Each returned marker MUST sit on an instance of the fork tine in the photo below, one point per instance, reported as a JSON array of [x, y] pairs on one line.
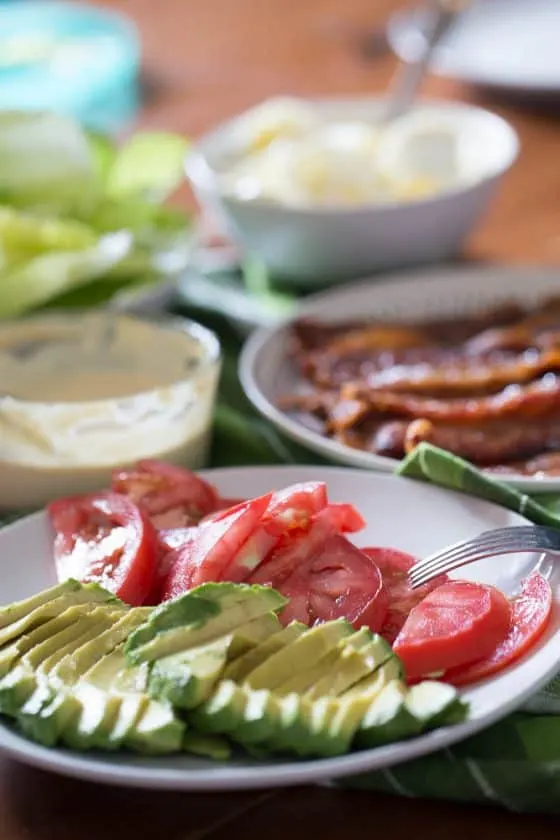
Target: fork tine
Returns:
[[525, 537], [425, 575], [487, 544]]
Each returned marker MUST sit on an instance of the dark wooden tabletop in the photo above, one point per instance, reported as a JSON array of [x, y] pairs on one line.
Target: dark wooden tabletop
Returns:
[[205, 60]]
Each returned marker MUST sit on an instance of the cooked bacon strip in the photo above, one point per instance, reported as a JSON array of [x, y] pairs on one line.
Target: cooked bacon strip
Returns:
[[486, 444], [537, 399], [466, 378]]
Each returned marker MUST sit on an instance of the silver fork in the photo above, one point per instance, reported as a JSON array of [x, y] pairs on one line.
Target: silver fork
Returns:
[[487, 544]]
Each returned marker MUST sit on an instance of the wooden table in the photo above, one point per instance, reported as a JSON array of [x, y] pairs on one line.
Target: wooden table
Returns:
[[205, 60]]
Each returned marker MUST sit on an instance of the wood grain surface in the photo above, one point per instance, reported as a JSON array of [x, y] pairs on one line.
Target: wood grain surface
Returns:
[[205, 60]]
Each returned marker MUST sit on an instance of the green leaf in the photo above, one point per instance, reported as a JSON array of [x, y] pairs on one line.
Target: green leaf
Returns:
[[150, 164], [45, 161], [42, 278]]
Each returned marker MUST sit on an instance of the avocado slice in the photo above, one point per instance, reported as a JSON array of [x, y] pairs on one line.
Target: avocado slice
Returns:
[[198, 617], [98, 706], [47, 723], [11, 652], [37, 648], [337, 670], [299, 655], [387, 718], [242, 666], [157, 731], [131, 709], [44, 663], [187, 679], [86, 592], [259, 721], [338, 733], [223, 711], [433, 703]]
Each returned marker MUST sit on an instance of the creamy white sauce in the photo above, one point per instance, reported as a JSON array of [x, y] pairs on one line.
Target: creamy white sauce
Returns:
[[285, 153], [83, 394]]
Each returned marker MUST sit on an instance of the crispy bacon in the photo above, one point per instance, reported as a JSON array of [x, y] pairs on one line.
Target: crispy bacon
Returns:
[[536, 399], [486, 387]]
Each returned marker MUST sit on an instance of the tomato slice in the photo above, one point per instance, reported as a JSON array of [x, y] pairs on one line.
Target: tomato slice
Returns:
[[339, 581], [530, 613], [172, 496], [457, 623], [290, 512], [294, 551], [107, 539], [209, 548], [346, 518], [394, 566]]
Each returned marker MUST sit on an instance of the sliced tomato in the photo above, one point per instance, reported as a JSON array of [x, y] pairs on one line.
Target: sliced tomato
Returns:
[[346, 518], [209, 548], [457, 623], [394, 566], [290, 513], [530, 613], [339, 581], [172, 496], [293, 552], [107, 539]]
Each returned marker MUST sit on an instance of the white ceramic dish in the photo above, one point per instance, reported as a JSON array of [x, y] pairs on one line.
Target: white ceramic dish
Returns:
[[266, 372], [509, 45], [397, 511], [318, 245]]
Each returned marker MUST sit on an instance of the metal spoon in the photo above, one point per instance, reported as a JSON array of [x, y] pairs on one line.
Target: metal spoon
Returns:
[[410, 76]]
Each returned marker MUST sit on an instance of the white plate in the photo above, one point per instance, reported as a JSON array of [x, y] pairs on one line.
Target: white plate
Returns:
[[412, 516], [266, 372], [510, 45]]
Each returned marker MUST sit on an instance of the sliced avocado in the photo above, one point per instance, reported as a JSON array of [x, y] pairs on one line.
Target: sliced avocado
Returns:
[[340, 728], [99, 707], [241, 667], [434, 704], [333, 673], [61, 713], [132, 679], [11, 652], [299, 655], [299, 722], [208, 746], [187, 679], [387, 718], [25, 683], [260, 717], [89, 592], [86, 594], [223, 712], [35, 715], [131, 709], [199, 616], [157, 731], [248, 636]]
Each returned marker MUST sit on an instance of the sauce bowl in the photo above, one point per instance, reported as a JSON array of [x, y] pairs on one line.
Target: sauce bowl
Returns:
[[84, 393]]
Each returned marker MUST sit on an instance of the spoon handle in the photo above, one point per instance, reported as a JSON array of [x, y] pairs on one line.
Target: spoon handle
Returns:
[[410, 76]]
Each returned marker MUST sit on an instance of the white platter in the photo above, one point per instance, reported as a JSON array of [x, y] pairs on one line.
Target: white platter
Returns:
[[508, 45], [266, 372], [400, 512]]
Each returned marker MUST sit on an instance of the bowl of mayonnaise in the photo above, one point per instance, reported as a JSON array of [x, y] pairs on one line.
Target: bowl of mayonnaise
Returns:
[[326, 190], [84, 393]]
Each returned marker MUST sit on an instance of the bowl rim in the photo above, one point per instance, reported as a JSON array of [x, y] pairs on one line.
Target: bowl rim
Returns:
[[206, 339], [202, 176]]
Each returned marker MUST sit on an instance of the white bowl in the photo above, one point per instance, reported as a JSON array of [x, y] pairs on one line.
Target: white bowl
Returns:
[[318, 245]]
